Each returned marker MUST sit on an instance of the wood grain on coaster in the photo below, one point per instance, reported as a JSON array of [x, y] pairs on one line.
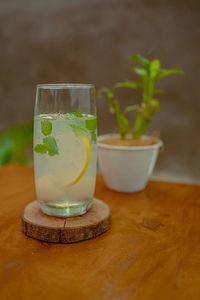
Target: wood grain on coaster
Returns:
[[46, 228]]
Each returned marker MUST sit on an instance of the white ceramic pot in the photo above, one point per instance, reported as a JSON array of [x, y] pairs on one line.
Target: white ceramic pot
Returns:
[[125, 168]]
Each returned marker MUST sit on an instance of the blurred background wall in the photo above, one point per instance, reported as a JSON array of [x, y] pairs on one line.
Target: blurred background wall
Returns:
[[89, 41]]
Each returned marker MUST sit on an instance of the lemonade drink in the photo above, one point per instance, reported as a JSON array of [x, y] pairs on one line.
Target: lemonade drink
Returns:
[[65, 162]]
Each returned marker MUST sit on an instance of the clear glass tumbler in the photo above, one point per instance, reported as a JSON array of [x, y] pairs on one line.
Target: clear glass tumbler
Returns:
[[65, 151]]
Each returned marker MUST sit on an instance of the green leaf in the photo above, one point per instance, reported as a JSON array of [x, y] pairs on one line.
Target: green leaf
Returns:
[[77, 129], [50, 145], [164, 72], [129, 84], [75, 115], [130, 108], [144, 61], [154, 68], [78, 113], [110, 95], [155, 64], [46, 127], [123, 124], [101, 91], [155, 104], [14, 142], [40, 148], [140, 71], [91, 124], [118, 85]]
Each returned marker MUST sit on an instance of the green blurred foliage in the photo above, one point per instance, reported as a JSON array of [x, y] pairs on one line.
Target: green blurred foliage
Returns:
[[14, 143]]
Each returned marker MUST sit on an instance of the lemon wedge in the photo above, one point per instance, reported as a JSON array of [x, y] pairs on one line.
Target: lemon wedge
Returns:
[[86, 143]]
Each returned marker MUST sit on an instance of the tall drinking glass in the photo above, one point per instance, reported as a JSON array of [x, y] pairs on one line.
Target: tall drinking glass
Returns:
[[65, 151]]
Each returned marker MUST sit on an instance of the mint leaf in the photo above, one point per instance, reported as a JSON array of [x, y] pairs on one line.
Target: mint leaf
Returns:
[[75, 114], [46, 127], [91, 124], [40, 148], [78, 113], [50, 145], [78, 130], [144, 61]]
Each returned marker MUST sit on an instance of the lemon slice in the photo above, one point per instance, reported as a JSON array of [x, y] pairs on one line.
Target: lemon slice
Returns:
[[87, 148]]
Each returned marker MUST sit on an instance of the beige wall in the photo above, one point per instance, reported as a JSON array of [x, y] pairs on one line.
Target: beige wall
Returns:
[[89, 42]]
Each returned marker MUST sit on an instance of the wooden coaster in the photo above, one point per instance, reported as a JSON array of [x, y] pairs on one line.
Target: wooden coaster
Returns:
[[46, 228]]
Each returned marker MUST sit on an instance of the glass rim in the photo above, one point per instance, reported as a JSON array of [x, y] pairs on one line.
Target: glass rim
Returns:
[[50, 86]]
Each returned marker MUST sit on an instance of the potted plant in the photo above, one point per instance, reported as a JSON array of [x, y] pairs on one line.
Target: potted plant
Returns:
[[127, 160]]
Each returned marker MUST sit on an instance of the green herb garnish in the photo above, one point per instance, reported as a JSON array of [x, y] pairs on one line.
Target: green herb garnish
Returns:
[[49, 142], [78, 130], [50, 145], [75, 114], [78, 113], [91, 124], [46, 127], [40, 148]]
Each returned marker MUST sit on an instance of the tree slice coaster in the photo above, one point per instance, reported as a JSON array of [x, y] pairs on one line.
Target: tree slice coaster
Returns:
[[46, 228]]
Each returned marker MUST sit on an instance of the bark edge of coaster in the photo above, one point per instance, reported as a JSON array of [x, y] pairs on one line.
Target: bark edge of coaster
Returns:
[[46, 228]]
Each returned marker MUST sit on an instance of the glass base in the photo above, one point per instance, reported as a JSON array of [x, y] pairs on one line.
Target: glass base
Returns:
[[63, 210]]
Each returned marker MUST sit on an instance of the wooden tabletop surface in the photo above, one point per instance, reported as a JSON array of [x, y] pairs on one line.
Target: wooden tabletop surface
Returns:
[[151, 252]]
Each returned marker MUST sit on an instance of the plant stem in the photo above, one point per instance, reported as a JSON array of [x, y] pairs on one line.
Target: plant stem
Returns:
[[145, 112], [141, 124], [122, 121]]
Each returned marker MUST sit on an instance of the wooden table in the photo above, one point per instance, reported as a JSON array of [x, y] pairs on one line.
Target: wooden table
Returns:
[[151, 252]]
